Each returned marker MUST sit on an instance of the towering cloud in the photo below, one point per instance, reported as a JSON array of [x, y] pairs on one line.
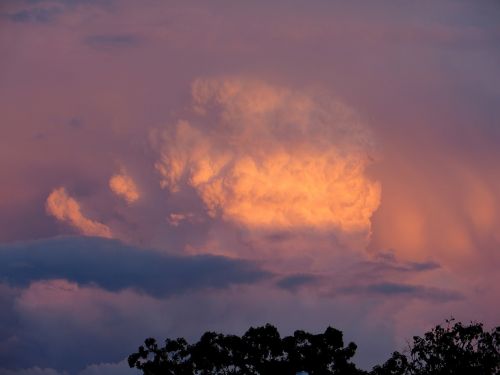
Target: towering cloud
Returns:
[[64, 208], [124, 186], [270, 157]]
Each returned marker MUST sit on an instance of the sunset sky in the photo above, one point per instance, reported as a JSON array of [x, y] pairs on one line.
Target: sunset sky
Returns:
[[173, 167]]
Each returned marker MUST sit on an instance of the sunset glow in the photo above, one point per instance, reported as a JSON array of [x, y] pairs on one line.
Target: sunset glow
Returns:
[[170, 168], [273, 159]]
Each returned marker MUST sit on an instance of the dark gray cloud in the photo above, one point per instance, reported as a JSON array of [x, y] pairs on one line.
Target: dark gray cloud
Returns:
[[403, 266], [75, 123], [114, 266], [43, 11], [8, 321], [422, 266], [386, 262], [38, 14], [294, 282], [388, 289], [108, 41]]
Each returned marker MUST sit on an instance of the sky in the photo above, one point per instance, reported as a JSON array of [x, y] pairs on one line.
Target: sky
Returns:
[[173, 167]]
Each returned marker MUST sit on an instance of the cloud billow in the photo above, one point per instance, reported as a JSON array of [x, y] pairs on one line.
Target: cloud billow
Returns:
[[124, 186], [272, 158]]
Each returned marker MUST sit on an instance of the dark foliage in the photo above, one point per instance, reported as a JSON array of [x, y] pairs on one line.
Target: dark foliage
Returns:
[[453, 349], [259, 351]]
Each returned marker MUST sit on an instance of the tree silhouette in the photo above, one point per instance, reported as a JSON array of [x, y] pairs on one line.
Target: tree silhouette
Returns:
[[260, 351], [454, 349]]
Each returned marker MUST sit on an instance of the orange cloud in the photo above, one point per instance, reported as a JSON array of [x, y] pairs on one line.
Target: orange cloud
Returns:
[[124, 187], [64, 208], [274, 158], [176, 218], [443, 209]]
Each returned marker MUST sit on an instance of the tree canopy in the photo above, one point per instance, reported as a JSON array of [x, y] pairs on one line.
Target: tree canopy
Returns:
[[453, 349], [259, 351]]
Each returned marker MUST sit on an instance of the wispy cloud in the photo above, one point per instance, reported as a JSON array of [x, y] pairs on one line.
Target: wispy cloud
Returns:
[[385, 262], [66, 209], [390, 289], [36, 15]]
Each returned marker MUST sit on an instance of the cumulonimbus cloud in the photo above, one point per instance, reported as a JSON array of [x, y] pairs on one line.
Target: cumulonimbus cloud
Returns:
[[270, 157], [65, 208], [124, 186]]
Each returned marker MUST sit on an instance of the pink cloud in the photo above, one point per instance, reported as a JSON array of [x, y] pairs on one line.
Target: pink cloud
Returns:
[[66, 209], [124, 186]]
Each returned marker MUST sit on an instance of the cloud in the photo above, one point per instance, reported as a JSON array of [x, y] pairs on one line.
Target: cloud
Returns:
[[74, 326], [176, 218], [66, 209], [386, 262], [269, 157], [293, 282], [400, 289], [9, 321], [46, 11], [31, 371], [422, 217], [114, 266], [124, 186], [120, 368], [38, 15]]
